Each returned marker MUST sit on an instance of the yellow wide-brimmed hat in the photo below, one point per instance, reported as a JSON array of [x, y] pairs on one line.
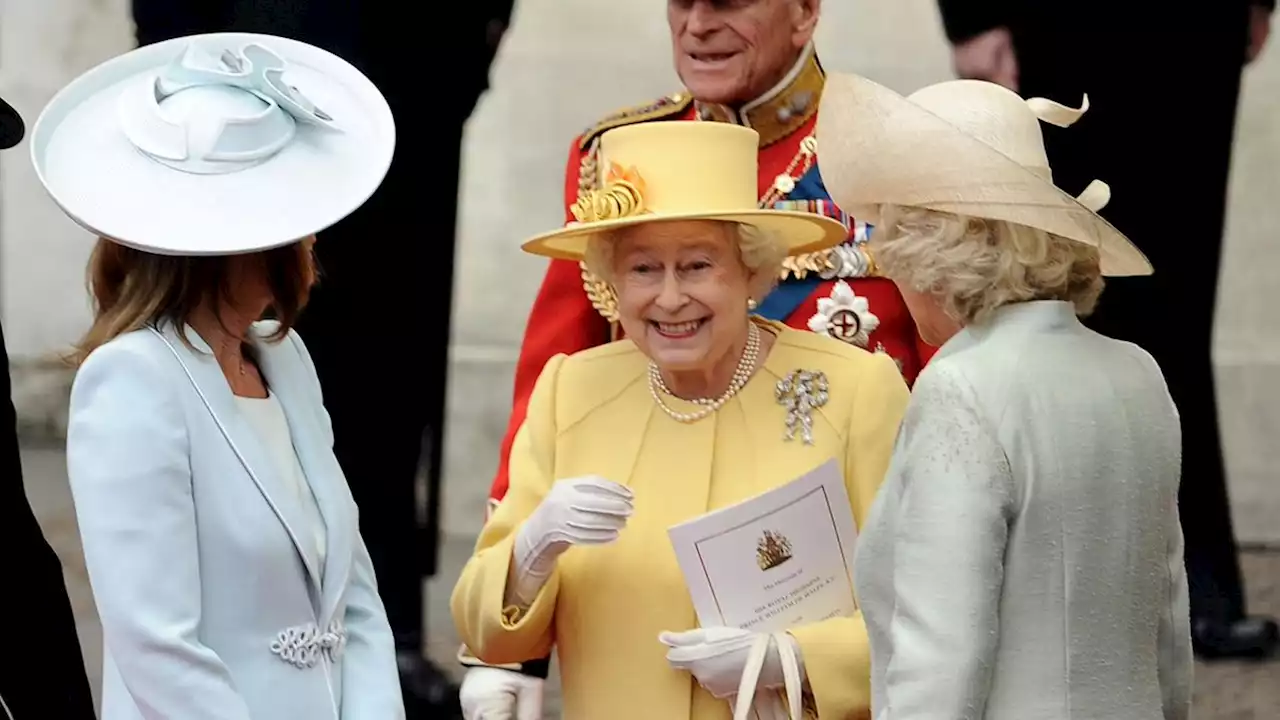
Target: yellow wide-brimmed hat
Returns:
[[663, 171], [966, 147]]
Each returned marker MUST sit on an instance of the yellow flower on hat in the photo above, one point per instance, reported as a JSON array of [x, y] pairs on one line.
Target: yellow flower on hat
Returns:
[[622, 196]]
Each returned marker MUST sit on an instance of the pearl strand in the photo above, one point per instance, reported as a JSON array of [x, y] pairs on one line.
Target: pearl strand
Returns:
[[741, 374]]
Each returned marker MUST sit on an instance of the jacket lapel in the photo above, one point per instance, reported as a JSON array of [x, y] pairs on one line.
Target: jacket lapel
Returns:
[[211, 385], [281, 365]]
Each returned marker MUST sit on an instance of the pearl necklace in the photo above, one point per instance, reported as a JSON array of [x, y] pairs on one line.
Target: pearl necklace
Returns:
[[746, 368]]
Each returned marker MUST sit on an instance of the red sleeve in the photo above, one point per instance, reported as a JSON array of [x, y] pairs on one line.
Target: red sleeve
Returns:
[[562, 320]]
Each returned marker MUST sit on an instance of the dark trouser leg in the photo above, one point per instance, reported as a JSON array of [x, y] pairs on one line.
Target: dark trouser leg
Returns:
[[378, 329], [1171, 199], [371, 322], [158, 20], [47, 678]]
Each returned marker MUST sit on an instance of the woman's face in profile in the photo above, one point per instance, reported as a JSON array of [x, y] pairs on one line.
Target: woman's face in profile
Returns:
[[933, 324], [251, 282], [682, 292]]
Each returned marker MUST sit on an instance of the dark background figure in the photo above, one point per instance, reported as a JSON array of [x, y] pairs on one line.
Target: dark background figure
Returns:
[[1163, 86], [403, 289], [41, 601]]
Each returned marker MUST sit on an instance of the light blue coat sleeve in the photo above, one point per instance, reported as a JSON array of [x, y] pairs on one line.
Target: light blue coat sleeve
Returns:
[[128, 460]]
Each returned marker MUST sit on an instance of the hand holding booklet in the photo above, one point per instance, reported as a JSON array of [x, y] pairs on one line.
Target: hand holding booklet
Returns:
[[776, 561]]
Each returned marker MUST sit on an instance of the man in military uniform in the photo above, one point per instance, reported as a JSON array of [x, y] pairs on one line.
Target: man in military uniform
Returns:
[[749, 62], [47, 677], [1133, 60], [387, 411]]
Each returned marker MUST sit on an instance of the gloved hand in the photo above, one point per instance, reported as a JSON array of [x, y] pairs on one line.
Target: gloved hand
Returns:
[[717, 656], [490, 693], [579, 511]]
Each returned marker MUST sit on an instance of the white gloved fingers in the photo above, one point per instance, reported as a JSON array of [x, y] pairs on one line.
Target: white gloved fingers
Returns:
[[708, 642], [489, 693], [529, 699], [715, 657], [594, 536], [574, 534], [596, 485], [687, 637], [602, 505], [689, 655]]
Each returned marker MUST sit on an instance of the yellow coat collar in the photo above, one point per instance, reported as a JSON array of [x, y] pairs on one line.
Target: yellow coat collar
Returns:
[[621, 368], [781, 111]]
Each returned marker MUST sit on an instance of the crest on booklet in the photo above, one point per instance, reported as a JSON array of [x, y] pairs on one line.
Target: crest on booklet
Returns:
[[772, 550]]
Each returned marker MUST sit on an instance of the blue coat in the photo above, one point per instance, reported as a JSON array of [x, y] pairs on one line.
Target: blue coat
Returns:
[[211, 607]]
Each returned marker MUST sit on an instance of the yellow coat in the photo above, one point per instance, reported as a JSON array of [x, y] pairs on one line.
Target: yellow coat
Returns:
[[604, 606]]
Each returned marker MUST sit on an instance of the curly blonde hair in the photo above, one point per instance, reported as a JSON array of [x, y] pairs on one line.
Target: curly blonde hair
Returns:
[[974, 266], [761, 252]]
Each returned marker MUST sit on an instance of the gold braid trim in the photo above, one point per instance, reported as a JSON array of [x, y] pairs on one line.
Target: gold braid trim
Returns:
[[663, 108], [598, 291], [600, 294], [589, 178]]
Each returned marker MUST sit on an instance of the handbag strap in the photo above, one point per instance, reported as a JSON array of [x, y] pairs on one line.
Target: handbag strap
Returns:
[[792, 682], [791, 674]]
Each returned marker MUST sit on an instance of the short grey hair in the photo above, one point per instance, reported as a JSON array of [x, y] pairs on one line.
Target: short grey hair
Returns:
[[974, 266], [761, 251]]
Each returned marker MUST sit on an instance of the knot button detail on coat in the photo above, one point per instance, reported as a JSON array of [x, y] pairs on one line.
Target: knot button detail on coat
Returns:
[[302, 645]]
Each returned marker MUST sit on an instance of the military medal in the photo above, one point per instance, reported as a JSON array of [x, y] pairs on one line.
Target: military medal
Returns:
[[845, 316]]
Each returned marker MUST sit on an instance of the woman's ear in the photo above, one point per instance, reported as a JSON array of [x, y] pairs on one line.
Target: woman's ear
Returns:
[[758, 286], [804, 20]]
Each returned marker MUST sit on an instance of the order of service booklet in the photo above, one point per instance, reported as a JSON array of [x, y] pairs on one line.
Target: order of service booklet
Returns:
[[780, 559]]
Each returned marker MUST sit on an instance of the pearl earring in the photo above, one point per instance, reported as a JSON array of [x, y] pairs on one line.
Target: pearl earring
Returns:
[[751, 304]]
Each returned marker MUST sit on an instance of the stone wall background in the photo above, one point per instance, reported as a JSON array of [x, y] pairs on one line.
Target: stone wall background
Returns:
[[564, 64]]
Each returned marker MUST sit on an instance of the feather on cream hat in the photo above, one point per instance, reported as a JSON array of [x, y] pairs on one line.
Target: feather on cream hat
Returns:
[[966, 147]]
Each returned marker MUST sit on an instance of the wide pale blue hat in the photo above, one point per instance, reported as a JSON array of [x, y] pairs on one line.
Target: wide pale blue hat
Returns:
[[214, 144]]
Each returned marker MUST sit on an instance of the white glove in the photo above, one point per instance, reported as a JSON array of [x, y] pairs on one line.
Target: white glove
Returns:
[[490, 693], [579, 511], [717, 656]]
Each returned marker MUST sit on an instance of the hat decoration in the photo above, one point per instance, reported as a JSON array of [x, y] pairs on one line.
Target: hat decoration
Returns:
[[215, 144]]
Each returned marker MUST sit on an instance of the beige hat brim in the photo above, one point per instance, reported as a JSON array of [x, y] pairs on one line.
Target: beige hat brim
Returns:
[[802, 232], [879, 148]]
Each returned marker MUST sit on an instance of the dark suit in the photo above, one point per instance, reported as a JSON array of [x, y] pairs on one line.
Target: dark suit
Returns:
[[388, 268], [46, 678], [1163, 87]]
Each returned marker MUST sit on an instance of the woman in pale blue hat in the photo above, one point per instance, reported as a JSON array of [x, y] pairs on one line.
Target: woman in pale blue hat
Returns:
[[220, 537]]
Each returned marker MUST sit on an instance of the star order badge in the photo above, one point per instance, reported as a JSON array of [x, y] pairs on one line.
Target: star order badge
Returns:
[[845, 316]]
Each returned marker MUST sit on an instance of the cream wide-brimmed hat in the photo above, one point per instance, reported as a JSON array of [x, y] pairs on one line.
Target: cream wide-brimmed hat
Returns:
[[966, 147], [663, 171], [214, 144]]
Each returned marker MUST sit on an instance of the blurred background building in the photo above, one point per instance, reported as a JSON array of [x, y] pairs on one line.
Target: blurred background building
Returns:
[[563, 64]]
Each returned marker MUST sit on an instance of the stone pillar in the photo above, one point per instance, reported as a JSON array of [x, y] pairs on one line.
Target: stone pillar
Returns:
[[43, 45]]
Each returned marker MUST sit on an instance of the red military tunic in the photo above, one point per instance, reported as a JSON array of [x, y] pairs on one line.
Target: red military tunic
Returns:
[[567, 313]]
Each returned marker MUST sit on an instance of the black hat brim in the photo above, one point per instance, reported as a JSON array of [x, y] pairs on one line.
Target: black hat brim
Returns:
[[11, 126]]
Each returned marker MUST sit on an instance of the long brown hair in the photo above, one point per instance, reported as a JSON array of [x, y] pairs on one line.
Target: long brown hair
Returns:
[[132, 289]]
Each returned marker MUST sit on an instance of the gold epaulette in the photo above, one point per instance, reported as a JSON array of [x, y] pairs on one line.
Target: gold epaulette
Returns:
[[601, 295], [660, 109]]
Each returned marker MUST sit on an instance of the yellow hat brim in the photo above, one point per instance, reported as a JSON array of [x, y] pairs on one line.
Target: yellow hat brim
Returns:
[[802, 232]]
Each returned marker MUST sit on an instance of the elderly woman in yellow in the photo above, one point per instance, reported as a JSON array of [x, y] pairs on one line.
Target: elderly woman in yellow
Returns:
[[626, 440]]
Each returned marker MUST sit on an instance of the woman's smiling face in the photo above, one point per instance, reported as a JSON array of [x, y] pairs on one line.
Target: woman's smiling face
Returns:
[[682, 292]]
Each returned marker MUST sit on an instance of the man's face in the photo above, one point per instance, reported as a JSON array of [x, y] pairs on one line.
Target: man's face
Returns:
[[733, 51]]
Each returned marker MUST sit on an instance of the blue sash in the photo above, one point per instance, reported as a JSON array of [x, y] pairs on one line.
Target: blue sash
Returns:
[[791, 293]]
